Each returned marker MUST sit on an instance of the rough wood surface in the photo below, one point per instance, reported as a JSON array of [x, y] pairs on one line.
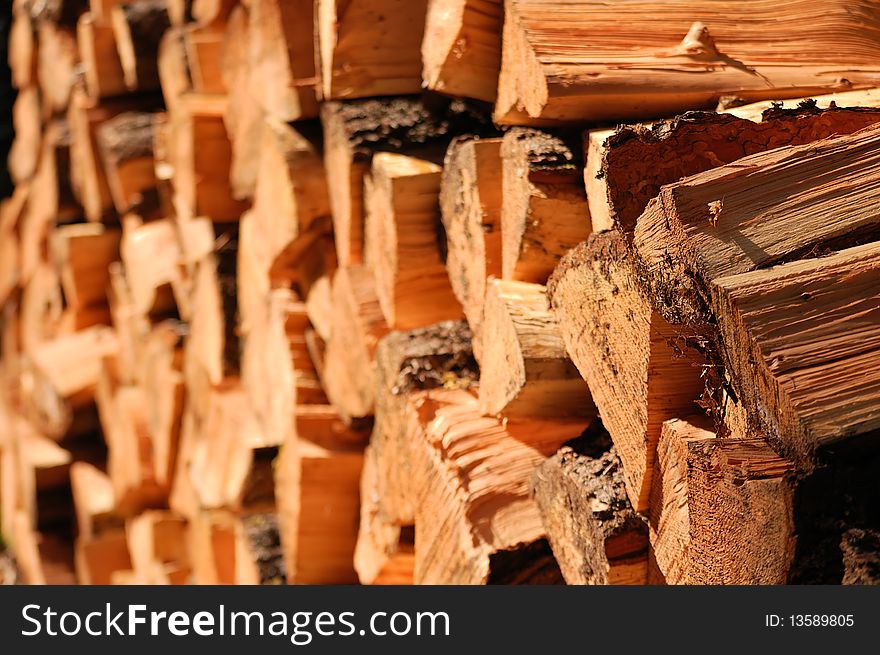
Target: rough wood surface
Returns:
[[470, 204], [811, 380], [402, 241], [524, 368], [759, 211], [390, 31], [596, 536], [461, 50], [544, 210], [576, 60], [637, 366]]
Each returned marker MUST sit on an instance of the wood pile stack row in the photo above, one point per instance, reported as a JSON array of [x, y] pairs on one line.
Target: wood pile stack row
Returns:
[[442, 291]]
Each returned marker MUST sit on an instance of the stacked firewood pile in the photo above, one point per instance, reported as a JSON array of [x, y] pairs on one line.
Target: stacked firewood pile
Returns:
[[442, 291]]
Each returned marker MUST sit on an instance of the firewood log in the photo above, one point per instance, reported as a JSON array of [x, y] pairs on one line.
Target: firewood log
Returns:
[[82, 255], [157, 541], [204, 55], [25, 152], [524, 368], [317, 478], [175, 78], [60, 378], [720, 211], [669, 513], [637, 365], [203, 159], [461, 50], [627, 168], [474, 521], [470, 203], [282, 46], [126, 146], [98, 560], [58, 56], [102, 67], [544, 211], [390, 30], [596, 536], [402, 221], [22, 48], [385, 552], [554, 69], [354, 131], [816, 396], [348, 372], [138, 28], [93, 500], [11, 212]]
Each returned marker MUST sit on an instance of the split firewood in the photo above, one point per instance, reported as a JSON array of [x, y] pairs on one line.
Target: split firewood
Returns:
[[180, 11], [402, 216], [524, 368], [93, 499], [61, 12], [470, 203], [410, 362], [83, 253], [544, 210], [814, 378], [317, 478], [98, 560], [626, 168], [291, 192], [11, 212], [206, 12], [736, 218], [669, 512], [24, 155], [204, 55], [233, 549], [151, 255], [22, 49], [175, 78], [282, 46], [637, 366], [558, 71], [60, 377], [51, 199], [157, 541], [596, 536], [461, 50], [385, 552], [138, 28], [354, 131], [348, 373], [126, 146], [474, 521], [57, 56], [243, 116], [390, 30], [102, 67], [203, 159]]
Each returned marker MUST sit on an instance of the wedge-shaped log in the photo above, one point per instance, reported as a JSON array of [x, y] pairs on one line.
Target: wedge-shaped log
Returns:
[[389, 30], [596, 536], [317, 477], [637, 366], [525, 370], [461, 50], [812, 383], [544, 211], [282, 45], [555, 67], [759, 211], [626, 168], [353, 131], [402, 242], [470, 204], [669, 515], [475, 522], [102, 67], [126, 146]]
